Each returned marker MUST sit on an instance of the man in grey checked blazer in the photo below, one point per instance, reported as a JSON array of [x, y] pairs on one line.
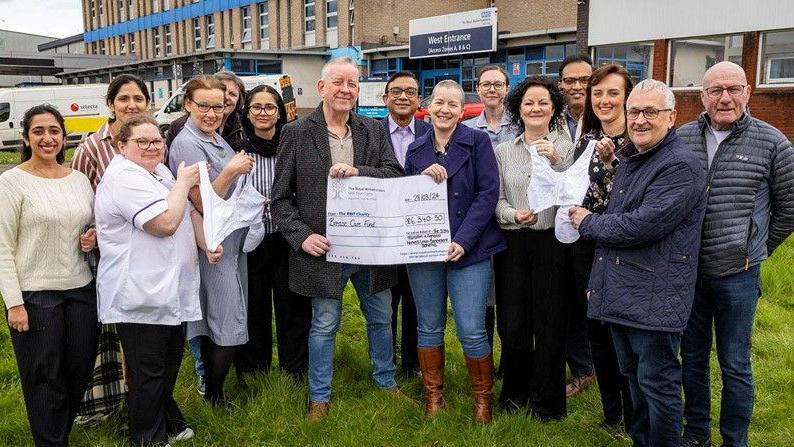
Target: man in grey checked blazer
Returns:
[[333, 141]]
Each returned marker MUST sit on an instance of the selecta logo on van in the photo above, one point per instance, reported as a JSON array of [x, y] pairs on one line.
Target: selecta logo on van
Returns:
[[75, 107]]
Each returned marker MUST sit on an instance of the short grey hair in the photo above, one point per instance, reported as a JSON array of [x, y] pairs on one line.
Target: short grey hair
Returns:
[[449, 83], [337, 61], [649, 85]]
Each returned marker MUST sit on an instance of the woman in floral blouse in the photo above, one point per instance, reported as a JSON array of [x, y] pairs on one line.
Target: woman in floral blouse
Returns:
[[604, 121]]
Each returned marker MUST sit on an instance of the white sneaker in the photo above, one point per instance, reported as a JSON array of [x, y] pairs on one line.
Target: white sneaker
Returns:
[[184, 435]]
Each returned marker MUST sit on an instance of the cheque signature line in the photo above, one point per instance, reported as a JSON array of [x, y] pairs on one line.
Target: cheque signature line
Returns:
[[368, 246], [379, 237]]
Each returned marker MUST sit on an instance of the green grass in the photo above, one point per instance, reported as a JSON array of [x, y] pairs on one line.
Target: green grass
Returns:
[[12, 157], [271, 411]]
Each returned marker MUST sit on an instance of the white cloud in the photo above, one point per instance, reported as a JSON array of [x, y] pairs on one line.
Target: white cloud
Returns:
[[56, 18]]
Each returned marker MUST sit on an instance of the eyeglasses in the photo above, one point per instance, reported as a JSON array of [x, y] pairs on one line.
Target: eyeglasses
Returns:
[[716, 92], [570, 81], [204, 108], [649, 113], [495, 85], [145, 143], [410, 92], [269, 109]]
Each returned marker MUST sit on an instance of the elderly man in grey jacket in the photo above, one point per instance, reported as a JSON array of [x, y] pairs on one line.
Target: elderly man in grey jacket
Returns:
[[749, 213], [333, 141]]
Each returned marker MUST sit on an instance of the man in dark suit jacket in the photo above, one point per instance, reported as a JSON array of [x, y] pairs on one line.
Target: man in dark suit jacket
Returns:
[[333, 141], [401, 96]]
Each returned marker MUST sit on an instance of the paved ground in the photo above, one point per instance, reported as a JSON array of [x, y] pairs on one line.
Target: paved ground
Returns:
[[4, 168]]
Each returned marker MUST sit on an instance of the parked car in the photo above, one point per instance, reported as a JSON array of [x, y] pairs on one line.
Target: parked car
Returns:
[[472, 107]]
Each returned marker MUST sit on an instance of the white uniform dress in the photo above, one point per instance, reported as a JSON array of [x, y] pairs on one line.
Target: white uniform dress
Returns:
[[143, 278]]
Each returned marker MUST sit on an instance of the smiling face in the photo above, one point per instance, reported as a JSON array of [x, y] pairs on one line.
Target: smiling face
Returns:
[[608, 98], [574, 88], [265, 103], [209, 121], [445, 108], [149, 157], [402, 106], [339, 89], [536, 108], [645, 133], [129, 102], [492, 88], [45, 137], [725, 110]]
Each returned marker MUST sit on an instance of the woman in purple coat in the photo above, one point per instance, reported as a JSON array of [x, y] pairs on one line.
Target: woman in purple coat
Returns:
[[464, 158]]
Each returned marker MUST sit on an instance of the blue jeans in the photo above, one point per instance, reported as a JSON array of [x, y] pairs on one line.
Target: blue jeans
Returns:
[[650, 361], [327, 313], [468, 289], [728, 303], [195, 350]]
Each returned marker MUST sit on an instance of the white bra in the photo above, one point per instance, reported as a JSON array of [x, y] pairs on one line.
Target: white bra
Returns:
[[548, 188], [222, 217]]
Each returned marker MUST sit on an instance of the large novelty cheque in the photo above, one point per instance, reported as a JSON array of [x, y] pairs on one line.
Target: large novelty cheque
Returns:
[[548, 188], [376, 221]]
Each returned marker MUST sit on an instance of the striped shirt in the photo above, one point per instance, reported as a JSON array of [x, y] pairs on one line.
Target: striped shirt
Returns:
[[93, 155], [263, 174], [515, 170]]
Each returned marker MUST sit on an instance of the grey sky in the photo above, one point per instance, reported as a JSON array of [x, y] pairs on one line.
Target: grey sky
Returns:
[[56, 18]]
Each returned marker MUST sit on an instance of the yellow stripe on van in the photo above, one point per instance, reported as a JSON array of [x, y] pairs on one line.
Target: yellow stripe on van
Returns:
[[84, 124]]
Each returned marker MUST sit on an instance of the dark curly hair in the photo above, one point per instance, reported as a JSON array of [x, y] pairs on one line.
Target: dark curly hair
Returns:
[[27, 120], [516, 96]]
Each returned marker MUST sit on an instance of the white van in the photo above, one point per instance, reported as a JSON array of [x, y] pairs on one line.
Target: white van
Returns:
[[82, 106], [173, 107]]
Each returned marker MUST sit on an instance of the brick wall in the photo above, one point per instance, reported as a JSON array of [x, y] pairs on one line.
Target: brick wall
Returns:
[[773, 105]]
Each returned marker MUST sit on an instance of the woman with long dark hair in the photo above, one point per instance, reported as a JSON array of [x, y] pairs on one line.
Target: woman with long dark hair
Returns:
[[127, 97], [264, 115], [604, 121], [47, 287]]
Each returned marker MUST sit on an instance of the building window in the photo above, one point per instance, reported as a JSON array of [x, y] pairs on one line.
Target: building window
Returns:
[[691, 57], [210, 21], [166, 5], [132, 43], [196, 34], [383, 67], [101, 7], [92, 7], [102, 47], [635, 58], [155, 5], [156, 34], [331, 14], [264, 23], [308, 14], [168, 46], [351, 21], [122, 44], [777, 57], [94, 48], [245, 12]]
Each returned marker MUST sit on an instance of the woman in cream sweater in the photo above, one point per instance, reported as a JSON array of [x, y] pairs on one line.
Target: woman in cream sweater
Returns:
[[46, 284]]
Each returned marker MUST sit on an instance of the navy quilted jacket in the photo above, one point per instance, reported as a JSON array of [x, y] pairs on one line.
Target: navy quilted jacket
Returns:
[[648, 240]]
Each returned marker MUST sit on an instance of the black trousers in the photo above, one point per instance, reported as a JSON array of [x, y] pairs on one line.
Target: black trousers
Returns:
[[401, 293], [154, 355], [612, 384], [55, 358], [531, 313], [268, 288], [578, 260]]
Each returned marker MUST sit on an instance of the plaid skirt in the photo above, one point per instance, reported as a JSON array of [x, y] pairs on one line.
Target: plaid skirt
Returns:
[[108, 388]]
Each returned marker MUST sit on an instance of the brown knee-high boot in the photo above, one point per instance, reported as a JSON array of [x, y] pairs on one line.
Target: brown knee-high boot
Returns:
[[431, 361], [481, 378]]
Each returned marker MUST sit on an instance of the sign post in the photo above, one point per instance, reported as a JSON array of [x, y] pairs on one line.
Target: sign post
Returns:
[[459, 33]]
